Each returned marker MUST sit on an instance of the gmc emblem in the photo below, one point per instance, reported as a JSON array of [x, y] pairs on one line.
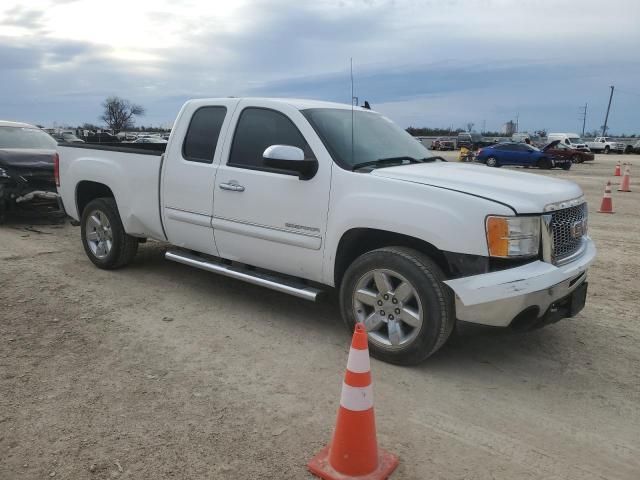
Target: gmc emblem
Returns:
[[579, 228]]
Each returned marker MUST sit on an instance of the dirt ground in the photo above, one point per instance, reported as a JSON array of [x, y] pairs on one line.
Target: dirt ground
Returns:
[[162, 371]]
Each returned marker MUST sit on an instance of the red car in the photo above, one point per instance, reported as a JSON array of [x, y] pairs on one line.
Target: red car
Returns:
[[560, 150]]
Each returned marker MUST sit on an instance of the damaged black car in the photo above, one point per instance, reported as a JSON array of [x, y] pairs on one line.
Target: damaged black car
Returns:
[[26, 166]]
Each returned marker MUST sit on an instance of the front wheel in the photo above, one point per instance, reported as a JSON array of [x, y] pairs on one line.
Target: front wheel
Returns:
[[607, 149], [103, 237], [492, 162], [566, 166], [399, 295]]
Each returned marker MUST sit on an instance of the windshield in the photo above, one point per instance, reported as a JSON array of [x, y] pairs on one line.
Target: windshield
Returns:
[[24, 137], [575, 140], [374, 136]]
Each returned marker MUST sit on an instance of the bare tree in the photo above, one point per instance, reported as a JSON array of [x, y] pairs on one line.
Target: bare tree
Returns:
[[470, 126], [119, 113]]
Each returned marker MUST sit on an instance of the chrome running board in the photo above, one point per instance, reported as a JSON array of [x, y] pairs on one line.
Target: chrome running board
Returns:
[[273, 282]]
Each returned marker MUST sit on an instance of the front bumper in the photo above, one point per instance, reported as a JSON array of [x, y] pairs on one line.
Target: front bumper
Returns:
[[532, 291]]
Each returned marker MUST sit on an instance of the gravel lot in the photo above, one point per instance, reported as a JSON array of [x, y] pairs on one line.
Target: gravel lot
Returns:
[[162, 371]]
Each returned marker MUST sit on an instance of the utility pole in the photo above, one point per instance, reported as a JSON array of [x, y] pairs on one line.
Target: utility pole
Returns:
[[606, 118], [517, 122], [484, 126], [583, 112]]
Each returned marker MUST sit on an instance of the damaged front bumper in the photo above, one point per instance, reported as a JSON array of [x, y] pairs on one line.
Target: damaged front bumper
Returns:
[[529, 295]]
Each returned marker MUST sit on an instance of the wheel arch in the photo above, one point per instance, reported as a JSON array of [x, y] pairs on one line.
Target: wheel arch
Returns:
[[357, 241], [87, 190]]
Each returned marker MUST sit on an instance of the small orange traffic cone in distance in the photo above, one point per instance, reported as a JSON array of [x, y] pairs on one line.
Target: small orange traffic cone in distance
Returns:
[[353, 453], [617, 171], [607, 203], [626, 180]]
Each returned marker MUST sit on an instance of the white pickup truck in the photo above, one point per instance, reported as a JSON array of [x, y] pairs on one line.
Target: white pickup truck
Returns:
[[303, 196], [606, 145]]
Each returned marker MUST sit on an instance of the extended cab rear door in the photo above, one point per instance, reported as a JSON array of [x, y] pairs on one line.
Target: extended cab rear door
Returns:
[[189, 172], [267, 217]]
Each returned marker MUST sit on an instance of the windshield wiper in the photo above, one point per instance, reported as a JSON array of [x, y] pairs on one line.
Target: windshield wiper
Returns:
[[380, 162]]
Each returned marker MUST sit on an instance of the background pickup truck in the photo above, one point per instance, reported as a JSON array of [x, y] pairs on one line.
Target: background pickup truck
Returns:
[[606, 145], [303, 196]]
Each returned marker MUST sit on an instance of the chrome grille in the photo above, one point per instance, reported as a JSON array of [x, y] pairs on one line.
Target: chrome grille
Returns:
[[563, 222]]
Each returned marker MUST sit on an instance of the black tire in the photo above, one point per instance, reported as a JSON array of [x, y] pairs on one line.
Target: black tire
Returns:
[[577, 159], [124, 247], [566, 166], [435, 297], [545, 164], [607, 150], [492, 162]]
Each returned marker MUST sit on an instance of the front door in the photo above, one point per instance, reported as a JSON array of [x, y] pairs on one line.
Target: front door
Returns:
[[267, 217]]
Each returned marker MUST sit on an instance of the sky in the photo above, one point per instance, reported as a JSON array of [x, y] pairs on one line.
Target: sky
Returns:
[[442, 63]]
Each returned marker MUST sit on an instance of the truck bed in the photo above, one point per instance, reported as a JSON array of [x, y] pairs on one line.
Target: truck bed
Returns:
[[132, 174]]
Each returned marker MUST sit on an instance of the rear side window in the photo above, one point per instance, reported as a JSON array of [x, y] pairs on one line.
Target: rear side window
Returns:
[[202, 136], [259, 128]]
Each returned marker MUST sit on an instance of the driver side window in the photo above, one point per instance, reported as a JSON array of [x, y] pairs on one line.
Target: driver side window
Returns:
[[259, 128]]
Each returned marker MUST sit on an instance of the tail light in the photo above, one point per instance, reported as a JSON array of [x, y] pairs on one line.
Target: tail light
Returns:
[[56, 168]]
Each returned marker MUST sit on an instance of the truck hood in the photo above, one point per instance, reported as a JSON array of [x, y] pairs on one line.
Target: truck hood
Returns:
[[523, 192]]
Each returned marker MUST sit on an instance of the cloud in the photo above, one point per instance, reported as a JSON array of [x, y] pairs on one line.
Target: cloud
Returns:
[[19, 16]]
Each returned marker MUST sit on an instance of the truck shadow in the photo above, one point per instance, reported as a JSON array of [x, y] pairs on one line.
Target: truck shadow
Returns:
[[497, 350]]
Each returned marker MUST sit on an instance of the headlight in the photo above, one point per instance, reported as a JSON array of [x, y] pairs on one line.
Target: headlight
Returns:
[[513, 236]]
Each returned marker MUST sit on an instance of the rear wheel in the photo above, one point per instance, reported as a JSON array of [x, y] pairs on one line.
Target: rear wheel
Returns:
[[103, 237], [566, 166], [399, 295], [492, 162]]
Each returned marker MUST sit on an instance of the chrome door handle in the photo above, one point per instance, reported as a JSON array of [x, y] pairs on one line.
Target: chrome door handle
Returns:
[[234, 187]]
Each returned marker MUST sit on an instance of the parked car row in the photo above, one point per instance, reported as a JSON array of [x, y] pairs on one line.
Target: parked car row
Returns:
[[515, 153], [443, 144], [90, 136]]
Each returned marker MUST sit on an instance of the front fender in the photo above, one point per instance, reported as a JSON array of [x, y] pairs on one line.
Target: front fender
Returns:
[[449, 220]]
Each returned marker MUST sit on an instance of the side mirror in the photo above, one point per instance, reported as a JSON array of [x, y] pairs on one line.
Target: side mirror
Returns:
[[287, 157]]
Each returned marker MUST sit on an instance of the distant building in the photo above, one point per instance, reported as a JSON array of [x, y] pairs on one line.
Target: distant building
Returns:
[[509, 128]]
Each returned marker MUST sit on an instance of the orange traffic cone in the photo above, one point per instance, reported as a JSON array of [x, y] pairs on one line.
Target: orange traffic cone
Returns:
[[617, 170], [353, 453], [626, 180], [607, 203]]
